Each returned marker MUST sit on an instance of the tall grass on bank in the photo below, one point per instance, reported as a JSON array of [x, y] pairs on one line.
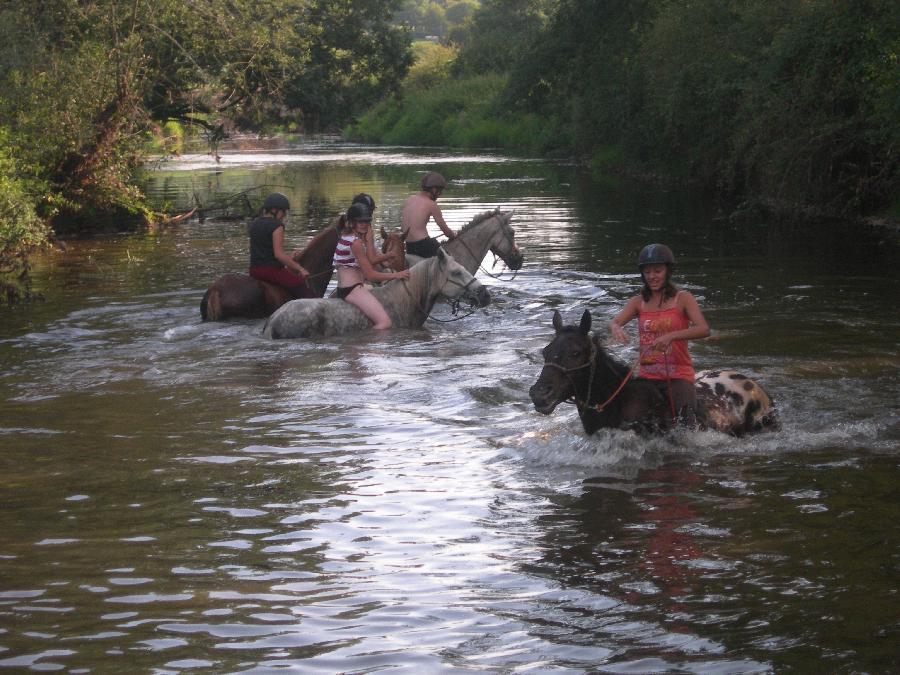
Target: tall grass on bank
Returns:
[[467, 112]]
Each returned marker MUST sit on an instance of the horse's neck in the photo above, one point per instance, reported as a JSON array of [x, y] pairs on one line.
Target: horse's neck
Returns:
[[472, 244], [607, 376], [318, 253], [415, 295], [316, 258]]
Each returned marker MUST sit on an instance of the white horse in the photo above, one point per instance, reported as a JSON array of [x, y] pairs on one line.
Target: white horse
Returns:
[[489, 231], [407, 301]]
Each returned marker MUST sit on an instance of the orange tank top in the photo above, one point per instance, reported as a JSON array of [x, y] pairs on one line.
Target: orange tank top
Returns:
[[675, 364]]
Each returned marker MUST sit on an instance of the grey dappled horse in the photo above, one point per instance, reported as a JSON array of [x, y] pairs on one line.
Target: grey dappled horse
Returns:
[[489, 231], [407, 301]]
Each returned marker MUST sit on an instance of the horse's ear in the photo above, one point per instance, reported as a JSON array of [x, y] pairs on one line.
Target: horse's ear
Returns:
[[383, 233], [404, 235], [585, 322], [557, 320], [442, 255]]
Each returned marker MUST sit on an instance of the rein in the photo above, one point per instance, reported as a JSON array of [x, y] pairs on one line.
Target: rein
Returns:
[[592, 364], [454, 304]]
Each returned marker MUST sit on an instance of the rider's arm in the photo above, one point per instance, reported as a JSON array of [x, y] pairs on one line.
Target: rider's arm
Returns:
[[369, 272], [439, 219], [282, 257], [627, 314]]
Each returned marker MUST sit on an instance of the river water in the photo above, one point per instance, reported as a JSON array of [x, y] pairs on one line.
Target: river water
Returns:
[[189, 497]]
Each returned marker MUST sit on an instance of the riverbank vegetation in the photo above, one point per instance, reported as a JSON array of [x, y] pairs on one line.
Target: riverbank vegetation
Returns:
[[774, 103], [85, 85]]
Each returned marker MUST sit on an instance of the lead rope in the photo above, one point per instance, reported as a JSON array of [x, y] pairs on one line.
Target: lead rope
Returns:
[[592, 364], [454, 304], [669, 385]]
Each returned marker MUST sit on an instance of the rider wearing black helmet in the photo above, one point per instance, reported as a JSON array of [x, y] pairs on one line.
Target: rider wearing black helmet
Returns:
[[667, 318], [353, 266], [418, 210], [372, 253], [268, 260]]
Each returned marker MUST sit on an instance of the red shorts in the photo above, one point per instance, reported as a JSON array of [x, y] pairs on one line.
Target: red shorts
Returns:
[[282, 276]]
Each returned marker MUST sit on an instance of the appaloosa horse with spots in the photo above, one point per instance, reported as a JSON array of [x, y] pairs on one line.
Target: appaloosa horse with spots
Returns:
[[577, 368]]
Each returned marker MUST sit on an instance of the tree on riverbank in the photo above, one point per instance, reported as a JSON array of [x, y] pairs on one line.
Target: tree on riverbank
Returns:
[[781, 103], [82, 84]]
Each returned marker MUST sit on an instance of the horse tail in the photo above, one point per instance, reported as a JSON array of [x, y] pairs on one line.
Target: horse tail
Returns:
[[210, 305]]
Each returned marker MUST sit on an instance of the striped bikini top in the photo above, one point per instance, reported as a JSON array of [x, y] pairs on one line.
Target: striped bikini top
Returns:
[[343, 256]]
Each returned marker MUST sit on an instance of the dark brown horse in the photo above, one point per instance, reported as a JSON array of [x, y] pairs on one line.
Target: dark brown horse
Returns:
[[240, 296], [577, 368]]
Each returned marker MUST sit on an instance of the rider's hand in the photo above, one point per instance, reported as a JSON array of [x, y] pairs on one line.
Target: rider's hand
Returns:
[[661, 344], [617, 333], [402, 274]]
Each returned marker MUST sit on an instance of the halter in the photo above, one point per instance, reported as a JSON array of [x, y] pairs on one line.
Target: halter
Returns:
[[592, 364], [454, 303]]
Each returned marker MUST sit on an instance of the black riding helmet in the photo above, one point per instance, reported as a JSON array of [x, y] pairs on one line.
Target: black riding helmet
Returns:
[[276, 201], [363, 198], [359, 212], [656, 254]]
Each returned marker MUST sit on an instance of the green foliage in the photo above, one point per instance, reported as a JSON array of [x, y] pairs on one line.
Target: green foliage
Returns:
[[21, 230], [431, 65], [499, 34], [86, 84], [430, 19], [788, 102]]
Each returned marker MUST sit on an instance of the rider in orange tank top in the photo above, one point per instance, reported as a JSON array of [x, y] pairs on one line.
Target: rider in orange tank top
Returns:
[[667, 318]]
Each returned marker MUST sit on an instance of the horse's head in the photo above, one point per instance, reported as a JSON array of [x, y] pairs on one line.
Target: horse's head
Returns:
[[567, 360], [503, 245], [394, 244], [458, 283]]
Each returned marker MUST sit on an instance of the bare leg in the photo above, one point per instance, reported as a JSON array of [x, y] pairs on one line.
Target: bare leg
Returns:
[[361, 297]]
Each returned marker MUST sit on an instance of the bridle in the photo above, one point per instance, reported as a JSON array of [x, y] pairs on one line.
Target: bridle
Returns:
[[454, 302], [584, 404], [510, 239]]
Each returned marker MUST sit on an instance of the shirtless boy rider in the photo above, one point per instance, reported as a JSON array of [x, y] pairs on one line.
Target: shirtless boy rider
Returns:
[[419, 208]]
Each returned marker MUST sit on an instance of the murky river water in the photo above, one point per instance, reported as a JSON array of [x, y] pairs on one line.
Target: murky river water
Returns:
[[179, 496]]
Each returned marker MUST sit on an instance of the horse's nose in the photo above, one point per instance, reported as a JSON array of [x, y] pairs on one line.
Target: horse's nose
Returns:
[[483, 296]]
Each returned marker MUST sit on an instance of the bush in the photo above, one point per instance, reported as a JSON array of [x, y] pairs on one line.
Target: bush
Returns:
[[21, 229]]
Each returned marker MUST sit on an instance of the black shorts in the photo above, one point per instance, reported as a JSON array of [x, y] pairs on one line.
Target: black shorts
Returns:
[[342, 292], [424, 248]]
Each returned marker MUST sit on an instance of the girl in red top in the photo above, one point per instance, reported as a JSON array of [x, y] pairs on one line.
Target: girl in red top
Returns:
[[667, 318]]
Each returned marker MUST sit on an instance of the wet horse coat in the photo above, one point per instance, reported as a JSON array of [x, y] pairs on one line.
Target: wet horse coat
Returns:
[[407, 302], [577, 367], [240, 296], [488, 231]]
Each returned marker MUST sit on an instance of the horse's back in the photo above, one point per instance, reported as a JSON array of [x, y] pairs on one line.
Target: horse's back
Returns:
[[735, 403], [240, 296], [314, 318]]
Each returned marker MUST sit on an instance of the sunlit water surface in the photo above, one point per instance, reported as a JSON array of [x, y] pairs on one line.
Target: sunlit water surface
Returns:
[[180, 496]]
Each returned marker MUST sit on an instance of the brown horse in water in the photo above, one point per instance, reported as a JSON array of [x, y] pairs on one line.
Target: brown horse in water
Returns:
[[240, 296]]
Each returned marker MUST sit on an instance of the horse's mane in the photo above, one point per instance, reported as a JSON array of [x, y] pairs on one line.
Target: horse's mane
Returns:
[[477, 220], [618, 368]]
